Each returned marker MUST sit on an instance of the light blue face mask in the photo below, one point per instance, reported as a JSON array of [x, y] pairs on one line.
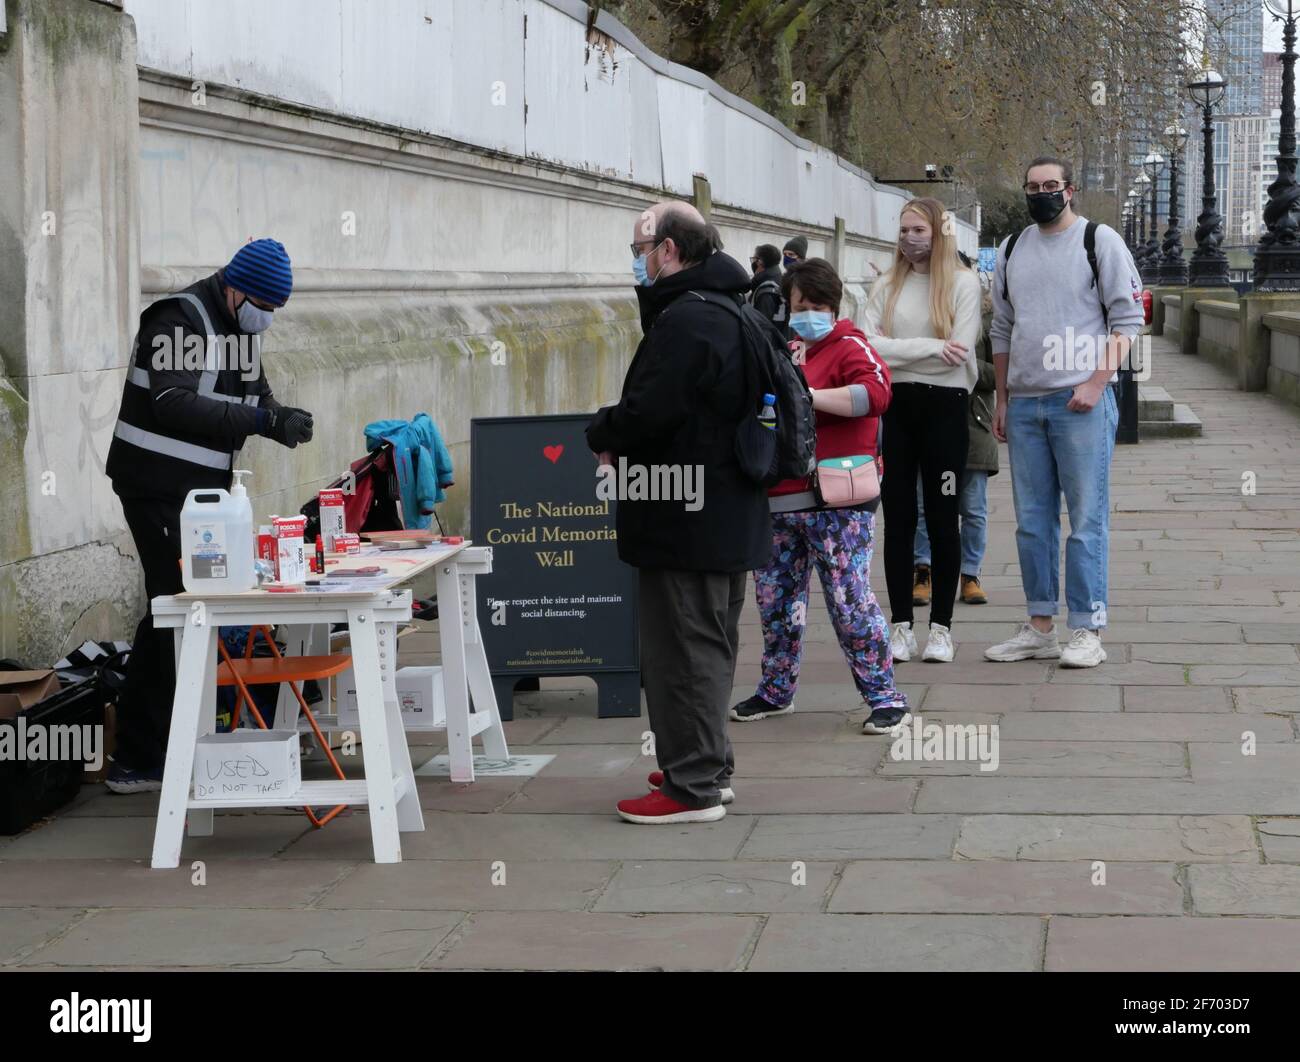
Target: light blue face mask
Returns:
[[253, 319], [812, 325], [639, 269]]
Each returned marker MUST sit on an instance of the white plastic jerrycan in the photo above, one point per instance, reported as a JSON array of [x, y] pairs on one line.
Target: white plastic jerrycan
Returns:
[[217, 543]]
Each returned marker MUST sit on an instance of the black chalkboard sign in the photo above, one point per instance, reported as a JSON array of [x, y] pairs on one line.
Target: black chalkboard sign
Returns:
[[558, 601]]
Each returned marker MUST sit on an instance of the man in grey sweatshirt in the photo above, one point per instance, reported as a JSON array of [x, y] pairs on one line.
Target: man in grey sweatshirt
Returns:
[[1059, 333]]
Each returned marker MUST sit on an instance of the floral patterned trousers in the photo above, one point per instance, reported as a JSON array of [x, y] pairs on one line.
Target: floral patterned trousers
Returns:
[[838, 542]]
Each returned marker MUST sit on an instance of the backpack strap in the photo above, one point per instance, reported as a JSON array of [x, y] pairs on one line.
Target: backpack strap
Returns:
[[1090, 248], [1006, 262]]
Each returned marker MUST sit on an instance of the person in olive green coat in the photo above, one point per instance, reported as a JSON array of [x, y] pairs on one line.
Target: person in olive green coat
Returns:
[[981, 462]]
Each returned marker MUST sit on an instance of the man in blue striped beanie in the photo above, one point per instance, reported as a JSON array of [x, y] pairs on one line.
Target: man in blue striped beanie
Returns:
[[194, 392]]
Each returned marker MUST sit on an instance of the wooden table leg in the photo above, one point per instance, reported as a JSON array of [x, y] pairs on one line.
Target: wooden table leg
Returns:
[[480, 678], [376, 740], [196, 670], [451, 633], [409, 816]]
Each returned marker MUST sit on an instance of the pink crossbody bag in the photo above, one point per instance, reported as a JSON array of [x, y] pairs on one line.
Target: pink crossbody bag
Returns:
[[847, 482]]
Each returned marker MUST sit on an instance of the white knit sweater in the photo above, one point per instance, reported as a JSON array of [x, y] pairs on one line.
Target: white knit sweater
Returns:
[[911, 350]]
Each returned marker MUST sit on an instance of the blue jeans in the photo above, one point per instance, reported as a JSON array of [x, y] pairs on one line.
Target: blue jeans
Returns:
[[1056, 451], [973, 505]]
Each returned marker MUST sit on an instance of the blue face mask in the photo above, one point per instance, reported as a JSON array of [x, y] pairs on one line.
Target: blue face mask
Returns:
[[639, 269], [812, 325]]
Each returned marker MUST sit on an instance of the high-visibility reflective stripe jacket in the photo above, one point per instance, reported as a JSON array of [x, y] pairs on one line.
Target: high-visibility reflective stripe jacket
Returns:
[[193, 387]]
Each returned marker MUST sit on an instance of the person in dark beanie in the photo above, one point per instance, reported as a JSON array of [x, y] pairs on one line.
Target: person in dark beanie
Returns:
[[683, 399], [194, 391], [765, 291], [795, 251]]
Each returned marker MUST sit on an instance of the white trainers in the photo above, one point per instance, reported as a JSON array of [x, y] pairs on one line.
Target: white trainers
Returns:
[[902, 643], [1084, 649], [1028, 644], [939, 648]]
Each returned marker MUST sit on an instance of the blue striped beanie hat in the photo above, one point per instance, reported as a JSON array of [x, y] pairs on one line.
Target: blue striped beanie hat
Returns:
[[261, 269]]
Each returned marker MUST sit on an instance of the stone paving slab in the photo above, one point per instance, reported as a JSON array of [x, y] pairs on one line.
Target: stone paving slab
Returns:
[[1059, 759], [933, 886], [470, 885], [1281, 839], [251, 939], [24, 930], [1229, 654], [1169, 838], [1119, 796], [809, 760], [598, 941], [490, 837], [131, 837], [1245, 890], [1265, 699], [956, 697], [220, 883], [722, 887], [851, 837], [1227, 762], [1176, 699], [1173, 944], [847, 942], [1140, 726]]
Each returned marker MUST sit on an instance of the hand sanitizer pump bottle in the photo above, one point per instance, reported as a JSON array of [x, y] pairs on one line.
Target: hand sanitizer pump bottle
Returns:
[[217, 543]]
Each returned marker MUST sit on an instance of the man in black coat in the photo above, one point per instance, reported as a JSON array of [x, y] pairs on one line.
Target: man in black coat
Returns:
[[683, 397], [194, 392], [765, 289]]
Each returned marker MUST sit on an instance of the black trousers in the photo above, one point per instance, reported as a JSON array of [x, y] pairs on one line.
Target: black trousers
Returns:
[[144, 711], [689, 637], [925, 429]]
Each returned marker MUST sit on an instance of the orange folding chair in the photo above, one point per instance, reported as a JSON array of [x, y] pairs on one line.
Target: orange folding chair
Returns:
[[275, 669]]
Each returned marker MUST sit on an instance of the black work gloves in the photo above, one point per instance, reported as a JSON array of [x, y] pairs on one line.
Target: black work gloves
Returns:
[[288, 426]]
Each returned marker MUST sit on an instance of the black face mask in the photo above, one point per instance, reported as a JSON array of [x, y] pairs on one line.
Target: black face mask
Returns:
[[1045, 207]]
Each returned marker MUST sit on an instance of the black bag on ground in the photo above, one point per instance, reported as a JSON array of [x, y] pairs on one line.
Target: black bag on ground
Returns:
[[790, 452], [33, 788]]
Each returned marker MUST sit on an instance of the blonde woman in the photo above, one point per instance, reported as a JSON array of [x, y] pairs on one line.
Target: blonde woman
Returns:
[[923, 317]]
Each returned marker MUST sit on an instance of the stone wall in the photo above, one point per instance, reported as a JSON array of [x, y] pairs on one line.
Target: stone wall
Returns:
[[1217, 338], [452, 255]]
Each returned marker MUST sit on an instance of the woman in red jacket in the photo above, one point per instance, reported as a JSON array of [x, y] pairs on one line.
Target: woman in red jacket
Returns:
[[850, 388]]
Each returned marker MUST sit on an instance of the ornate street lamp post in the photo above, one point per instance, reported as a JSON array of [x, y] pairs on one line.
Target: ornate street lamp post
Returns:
[[1140, 183], [1173, 267], [1131, 207], [1209, 266], [1277, 258], [1153, 166]]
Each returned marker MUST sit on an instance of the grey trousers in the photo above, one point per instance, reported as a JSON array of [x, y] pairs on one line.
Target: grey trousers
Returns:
[[689, 637]]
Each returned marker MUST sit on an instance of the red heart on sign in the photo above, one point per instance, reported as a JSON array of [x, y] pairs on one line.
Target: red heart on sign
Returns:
[[552, 453]]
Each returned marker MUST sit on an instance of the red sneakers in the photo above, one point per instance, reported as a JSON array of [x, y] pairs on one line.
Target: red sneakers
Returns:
[[656, 779], [655, 808]]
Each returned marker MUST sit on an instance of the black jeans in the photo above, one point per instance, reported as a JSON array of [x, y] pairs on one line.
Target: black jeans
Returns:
[[689, 637], [926, 429], [144, 712]]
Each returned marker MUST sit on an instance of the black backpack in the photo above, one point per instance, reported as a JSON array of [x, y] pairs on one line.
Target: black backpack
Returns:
[[1090, 249], [790, 452]]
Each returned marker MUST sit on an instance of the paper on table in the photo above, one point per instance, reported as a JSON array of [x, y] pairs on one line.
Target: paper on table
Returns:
[[359, 585]]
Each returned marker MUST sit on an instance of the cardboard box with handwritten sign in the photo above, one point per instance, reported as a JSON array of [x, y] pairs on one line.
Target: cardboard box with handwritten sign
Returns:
[[252, 763]]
